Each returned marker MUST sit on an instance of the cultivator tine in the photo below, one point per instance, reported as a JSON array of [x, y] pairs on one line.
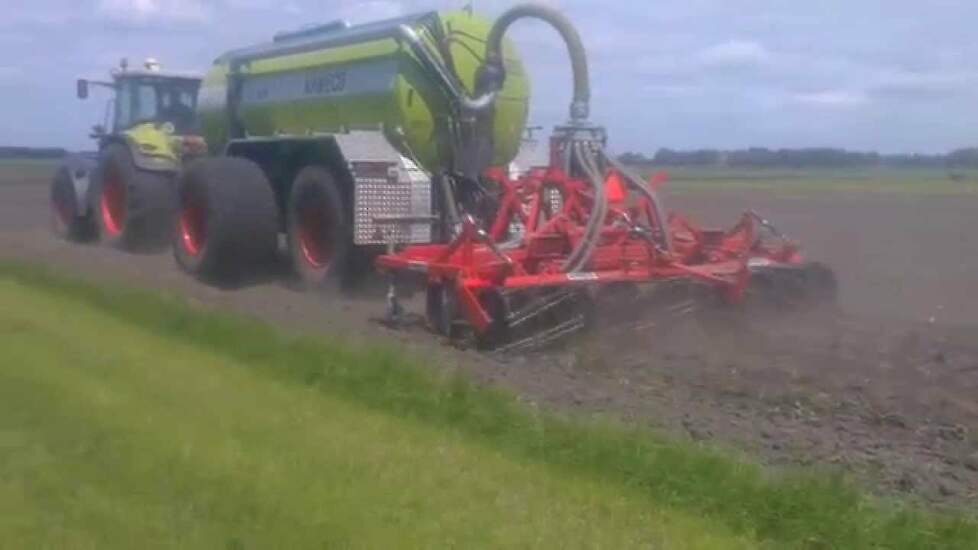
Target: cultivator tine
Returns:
[[537, 308], [543, 338]]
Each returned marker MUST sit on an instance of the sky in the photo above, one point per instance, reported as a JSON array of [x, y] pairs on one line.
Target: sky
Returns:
[[896, 76]]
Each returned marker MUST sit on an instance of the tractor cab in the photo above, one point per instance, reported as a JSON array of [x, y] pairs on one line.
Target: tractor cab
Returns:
[[147, 96]]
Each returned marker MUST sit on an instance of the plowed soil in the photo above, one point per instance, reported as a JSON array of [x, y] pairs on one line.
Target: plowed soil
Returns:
[[883, 385]]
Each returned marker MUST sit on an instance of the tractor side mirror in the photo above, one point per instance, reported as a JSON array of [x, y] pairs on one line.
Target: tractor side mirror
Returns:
[[82, 88]]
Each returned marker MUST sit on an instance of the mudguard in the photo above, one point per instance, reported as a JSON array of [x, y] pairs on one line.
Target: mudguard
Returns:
[[81, 167]]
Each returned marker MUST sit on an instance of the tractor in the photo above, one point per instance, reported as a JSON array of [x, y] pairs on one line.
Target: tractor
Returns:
[[125, 194]]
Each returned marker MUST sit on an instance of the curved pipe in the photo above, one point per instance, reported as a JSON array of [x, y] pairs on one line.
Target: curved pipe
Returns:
[[493, 67], [417, 46]]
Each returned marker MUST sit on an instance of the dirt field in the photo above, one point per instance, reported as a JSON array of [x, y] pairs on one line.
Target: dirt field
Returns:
[[884, 386]]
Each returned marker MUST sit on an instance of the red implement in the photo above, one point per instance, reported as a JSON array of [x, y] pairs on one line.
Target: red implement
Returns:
[[543, 218]]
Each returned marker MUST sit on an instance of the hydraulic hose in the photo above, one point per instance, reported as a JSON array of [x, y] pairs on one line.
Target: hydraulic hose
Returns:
[[493, 72], [492, 76], [637, 184], [581, 254]]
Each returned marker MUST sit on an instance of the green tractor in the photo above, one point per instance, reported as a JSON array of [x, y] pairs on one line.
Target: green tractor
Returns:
[[125, 194]]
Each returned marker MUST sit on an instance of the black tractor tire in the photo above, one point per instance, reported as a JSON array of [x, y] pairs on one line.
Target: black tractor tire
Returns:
[[227, 220], [320, 231], [133, 207], [67, 220]]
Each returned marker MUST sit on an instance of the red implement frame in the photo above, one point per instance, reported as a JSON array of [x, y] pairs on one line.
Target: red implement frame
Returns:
[[533, 233]]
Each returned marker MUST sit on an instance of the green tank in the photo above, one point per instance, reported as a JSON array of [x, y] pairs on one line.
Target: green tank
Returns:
[[337, 78]]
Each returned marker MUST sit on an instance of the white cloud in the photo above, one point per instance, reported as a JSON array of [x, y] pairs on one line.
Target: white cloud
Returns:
[[917, 85], [734, 53], [9, 72], [831, 98], [148, 12], [292, 8], [373, 10], [668, 90]]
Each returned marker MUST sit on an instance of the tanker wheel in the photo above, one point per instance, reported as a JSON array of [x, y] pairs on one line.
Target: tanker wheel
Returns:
[[133, 207], [67, 221], [227, 220], [320, 239]]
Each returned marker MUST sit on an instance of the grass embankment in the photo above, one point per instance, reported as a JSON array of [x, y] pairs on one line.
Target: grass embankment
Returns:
[[131, 420]]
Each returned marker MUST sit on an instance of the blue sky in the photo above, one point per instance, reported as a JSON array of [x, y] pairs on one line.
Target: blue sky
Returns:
[[891, 75]]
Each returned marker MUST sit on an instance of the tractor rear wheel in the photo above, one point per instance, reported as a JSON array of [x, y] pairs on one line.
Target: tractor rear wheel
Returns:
[[320, 236], [67, 220], [227, 219], [133, 207]]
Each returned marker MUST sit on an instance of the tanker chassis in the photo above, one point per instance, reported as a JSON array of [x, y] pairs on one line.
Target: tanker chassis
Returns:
[[344, 139]]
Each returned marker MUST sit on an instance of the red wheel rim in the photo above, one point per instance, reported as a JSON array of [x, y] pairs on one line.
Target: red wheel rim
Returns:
[[193, 224], [313, 236], [112, 203]]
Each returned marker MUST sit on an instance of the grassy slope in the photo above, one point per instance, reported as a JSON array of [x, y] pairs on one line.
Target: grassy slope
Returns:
[[223, 429], [114, 436]]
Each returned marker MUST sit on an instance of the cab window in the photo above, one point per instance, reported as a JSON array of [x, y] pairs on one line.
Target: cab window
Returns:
[[156, 99]]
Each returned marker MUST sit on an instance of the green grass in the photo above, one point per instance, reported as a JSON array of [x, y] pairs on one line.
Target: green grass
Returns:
[[806, 181], [113, 436], [130, 417]]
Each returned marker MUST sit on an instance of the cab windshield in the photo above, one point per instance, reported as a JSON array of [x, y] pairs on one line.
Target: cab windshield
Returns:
[[157, 99]]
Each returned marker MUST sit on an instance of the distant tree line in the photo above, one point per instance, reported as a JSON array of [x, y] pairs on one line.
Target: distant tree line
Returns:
[[816, 157], [32, 152]]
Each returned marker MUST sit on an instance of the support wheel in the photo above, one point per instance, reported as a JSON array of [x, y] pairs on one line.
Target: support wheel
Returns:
[[227, 220], [133, 207], [823, 287], [320, 238], [67, 220], [441, 310]]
